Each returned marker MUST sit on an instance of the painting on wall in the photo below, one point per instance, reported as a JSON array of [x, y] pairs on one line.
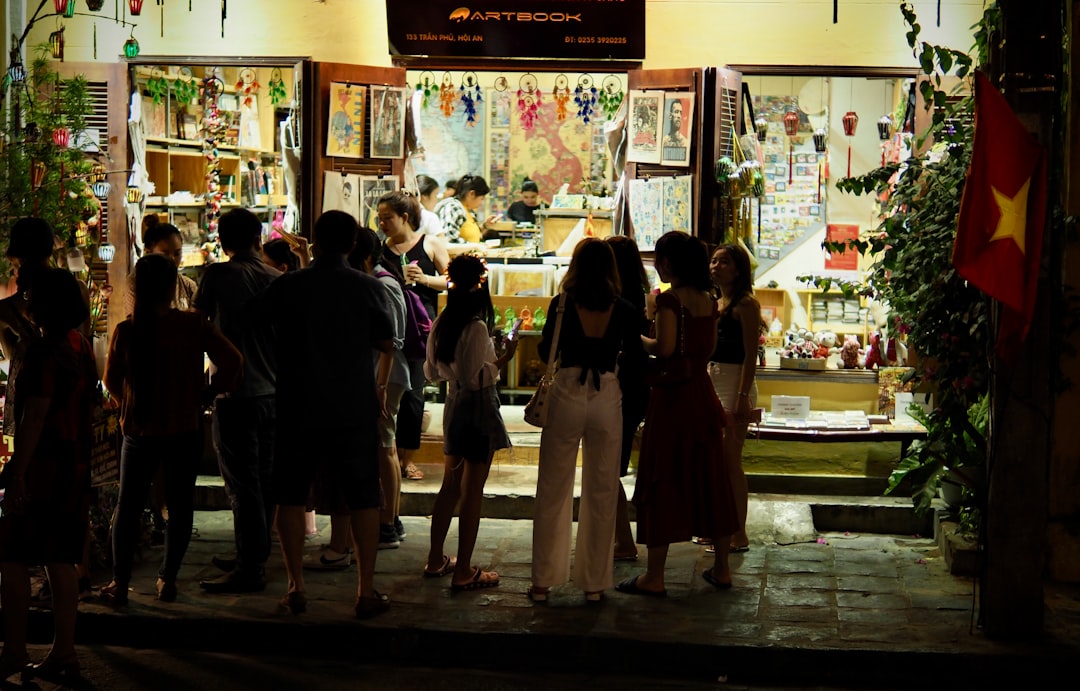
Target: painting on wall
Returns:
[[387, 122], [451, 147], [644, 126], [345, 126], [371, 188], [678, 124]]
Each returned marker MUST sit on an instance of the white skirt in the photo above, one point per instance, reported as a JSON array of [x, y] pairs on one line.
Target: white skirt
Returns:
[[725, 380]]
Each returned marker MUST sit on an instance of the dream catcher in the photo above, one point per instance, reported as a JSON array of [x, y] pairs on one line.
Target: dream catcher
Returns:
[[247, 86], [184, 88], [610, 96], [427, 87], [529, 101], [447, 95], [561, 94], [157, 86], [471, 94], [585, 98], [277, 87], [501, 84]]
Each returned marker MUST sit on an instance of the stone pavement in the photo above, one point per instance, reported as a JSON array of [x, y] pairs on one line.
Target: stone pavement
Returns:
[[836, 608]]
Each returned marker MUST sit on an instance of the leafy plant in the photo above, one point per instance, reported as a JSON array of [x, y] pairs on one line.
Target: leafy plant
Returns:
[[946, 321], [39, 175]]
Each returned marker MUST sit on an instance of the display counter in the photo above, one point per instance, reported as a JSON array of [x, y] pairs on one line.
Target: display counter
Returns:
[[557, 224], [827, 389]]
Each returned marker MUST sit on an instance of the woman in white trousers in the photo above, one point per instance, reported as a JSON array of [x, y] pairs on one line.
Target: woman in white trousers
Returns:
[[585, 407]]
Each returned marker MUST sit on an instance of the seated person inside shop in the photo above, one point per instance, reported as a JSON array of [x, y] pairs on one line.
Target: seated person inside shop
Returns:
[[523, 210], [456, 213]]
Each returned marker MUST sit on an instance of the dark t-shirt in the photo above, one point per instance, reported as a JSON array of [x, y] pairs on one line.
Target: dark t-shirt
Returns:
[[328, 320], [225, 294], [521, 212], [594, 355]]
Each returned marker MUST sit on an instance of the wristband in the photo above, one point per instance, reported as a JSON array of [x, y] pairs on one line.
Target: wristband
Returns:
[[744, 395]]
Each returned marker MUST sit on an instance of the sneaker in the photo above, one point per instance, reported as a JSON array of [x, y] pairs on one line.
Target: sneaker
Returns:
[[388, 537], [400, 528], [327, 560]]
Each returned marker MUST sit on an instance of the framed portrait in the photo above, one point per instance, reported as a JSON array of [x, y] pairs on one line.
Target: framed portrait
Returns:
[[345, 125], [644, 126], [341, 192], [678, 124], [387, 122], [371, 188]]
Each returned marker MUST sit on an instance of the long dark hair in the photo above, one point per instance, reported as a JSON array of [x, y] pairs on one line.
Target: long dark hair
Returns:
[[403, 204], [467, 299], [742, 285], [687, 258], [155, 286], [471, 183], [592, 280], [635, 282]]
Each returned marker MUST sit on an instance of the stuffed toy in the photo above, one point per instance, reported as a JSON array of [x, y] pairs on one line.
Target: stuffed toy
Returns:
[[852, 354]]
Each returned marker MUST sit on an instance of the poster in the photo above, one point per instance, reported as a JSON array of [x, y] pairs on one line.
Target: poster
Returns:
[[841, 232], [341, 192], [387, 122], [345, 126], [371, 188], [646, 197], [105, 453], [676, 201], [644, 126], [678, 124]]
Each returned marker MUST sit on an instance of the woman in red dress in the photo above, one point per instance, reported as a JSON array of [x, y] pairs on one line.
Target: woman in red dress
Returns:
[[683, 485]]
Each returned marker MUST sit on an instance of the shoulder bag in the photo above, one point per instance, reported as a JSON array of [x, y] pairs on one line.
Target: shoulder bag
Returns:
[[536, 410], [672, 370]]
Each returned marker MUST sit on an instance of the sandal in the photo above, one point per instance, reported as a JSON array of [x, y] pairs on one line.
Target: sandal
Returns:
[[480, 579], [54, 671], [368, 607], [537, 594], [715, 582], [411, 472], [295, 602], [445, 568], [114, 594], [701, 540]]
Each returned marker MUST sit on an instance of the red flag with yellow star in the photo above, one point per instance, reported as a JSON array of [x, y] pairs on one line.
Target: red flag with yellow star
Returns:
[[999, 233]]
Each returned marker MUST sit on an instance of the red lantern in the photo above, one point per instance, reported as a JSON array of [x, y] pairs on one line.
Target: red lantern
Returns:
[[791, 128], [135, 7], [851, 121], [61, 137], [59, 6]]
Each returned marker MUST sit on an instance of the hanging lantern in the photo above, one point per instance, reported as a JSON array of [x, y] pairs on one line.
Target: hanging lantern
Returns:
[[884, 128], [31, 133], [850, 121], [135, 7], [56, 44], [60, 6], [69, 9], [761, 127], [134, 195], [819, 140], [94, 5], [97, 173], [101, 189], [61, 136], [791, 128], [131, 48], [37, 174], [106, 251], [17, 72]]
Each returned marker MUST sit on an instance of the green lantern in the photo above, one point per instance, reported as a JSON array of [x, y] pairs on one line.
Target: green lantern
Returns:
[[131, 48], [69, 9]]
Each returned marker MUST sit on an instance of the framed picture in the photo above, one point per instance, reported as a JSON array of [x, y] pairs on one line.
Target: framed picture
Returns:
[[371, 188], [644, 126], [345, 125], [187, 127], [768, 313], [678, 124], [387, 122]]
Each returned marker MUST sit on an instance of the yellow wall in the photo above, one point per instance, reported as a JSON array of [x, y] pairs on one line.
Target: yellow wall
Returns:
[[679, 33]]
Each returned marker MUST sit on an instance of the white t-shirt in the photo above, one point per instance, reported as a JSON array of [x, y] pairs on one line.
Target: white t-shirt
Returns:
[[430, 223]]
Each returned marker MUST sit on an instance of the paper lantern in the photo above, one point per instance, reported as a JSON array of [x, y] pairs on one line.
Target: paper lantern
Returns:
[[17, 72], [56, 44], [819, 140], [61, 136], [37, 174], [791, 128], [131, 48], [761, 127], [134, 195], [884, 128], [135, 7], [31, 133], [69, 9], [60, 6], [101, 189], [106, 251], [94, 5], [850, 122]]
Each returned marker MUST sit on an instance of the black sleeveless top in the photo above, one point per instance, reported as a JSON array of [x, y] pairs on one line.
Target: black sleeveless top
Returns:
[[428, 296], [729, 341]]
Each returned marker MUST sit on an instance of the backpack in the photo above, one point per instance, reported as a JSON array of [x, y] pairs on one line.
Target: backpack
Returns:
[[417, 323]]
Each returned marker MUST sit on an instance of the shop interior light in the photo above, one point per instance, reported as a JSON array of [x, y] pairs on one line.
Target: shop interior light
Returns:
[[131, 48], [135, 7]]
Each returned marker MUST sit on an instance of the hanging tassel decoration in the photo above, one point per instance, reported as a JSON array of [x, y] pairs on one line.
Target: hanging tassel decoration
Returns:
[[447, 95], [585, 98], [561, 94], [529, 101]]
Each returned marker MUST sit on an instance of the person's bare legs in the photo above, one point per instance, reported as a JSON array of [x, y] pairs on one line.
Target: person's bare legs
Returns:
[[15, 596], [720, 569], [624, 537], [443, 510], [290, 527], [64, 583], [653, 578], [390, 474], [405, 457], [341, 538], [365, 531], [734, 439], [474, 476]]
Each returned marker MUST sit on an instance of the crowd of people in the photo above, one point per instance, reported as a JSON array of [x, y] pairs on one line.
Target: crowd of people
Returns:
[[331, 348]]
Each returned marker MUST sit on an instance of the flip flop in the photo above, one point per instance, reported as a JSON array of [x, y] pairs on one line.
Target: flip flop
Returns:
[[715, 582], [475, 583], [630, 587], [737, 549], [445, 568]]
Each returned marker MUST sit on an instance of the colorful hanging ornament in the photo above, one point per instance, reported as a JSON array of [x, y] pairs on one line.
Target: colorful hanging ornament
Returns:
[[610, 96], [61, 136], [101, 189], [501, 83], [60, 6], [850, 122], [561, 94], [106, 251], [157, 86], [247, 86], [69, 8], [585, 98], [94, 5], [819, 140], [761, 127], [426, 86], [131, 48], [447, 96], [529, 101], [135, 7], [56, 44], [277, 87], [791, 129], [212, 129], [471, 94], [885, 132], [37, 174], [184, 88]]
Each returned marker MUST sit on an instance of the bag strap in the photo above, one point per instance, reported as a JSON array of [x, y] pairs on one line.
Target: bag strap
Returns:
[[555, 340]]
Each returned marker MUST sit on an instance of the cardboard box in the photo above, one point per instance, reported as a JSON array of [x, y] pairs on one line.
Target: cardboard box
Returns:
[[803, 363]]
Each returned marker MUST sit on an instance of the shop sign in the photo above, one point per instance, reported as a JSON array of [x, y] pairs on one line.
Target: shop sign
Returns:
[[105, 456], [575, 29]]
